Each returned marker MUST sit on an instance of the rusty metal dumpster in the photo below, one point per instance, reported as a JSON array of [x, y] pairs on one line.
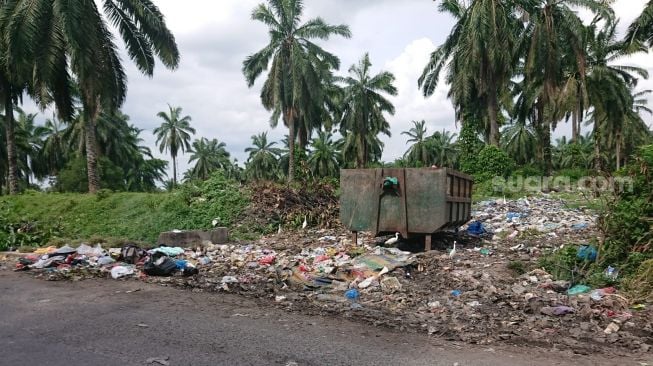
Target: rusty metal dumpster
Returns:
[[409, 201]]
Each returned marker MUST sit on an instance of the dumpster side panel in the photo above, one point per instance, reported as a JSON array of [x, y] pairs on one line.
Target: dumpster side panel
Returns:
[[426, 199], [392, 205], [358, 199]]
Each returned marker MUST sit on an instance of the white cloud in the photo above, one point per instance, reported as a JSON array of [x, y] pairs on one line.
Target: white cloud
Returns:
[[410, 104]]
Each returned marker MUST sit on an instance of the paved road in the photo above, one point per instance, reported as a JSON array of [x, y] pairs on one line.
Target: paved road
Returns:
[[96, 322]]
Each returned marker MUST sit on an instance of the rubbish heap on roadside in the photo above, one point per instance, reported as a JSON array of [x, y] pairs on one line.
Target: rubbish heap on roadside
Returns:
[[472, 296], [508, 219]]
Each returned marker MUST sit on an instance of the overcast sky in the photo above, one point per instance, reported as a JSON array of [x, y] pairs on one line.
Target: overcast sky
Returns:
[[215, 37]]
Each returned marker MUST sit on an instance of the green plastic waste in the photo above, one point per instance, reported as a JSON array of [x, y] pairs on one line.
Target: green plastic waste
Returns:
[[390, 182], [579, 289]]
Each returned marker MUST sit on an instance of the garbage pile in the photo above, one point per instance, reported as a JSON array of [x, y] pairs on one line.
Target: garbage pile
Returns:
[[468, 294], [534, 216]]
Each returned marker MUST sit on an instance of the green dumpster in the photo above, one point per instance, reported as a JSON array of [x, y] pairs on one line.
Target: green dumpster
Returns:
[[408, 201]]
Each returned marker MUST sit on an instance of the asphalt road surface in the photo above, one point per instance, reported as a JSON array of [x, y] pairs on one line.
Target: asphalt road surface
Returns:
[[97, 322]]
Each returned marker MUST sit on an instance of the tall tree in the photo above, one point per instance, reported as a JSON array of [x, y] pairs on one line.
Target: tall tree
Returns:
[[553, 39], [641, 30], [364, 108], [58, 36], [209, 156], [53, 153], [479, 54], [323, 157], [444, 148], [174, 135], [418, 152], [609, 86], [293, 88], [518, 140], [262, 162]]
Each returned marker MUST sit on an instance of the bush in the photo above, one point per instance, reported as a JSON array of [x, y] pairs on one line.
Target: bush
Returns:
[[528, 171], [575, 173], [73, 178], [628, 222], [491, 162]]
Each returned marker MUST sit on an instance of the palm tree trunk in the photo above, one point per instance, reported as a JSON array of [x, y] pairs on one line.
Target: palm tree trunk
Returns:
[[574, 127], [618, 150], [360, 159], [174, 171], [597, 147], [493, 107], [546, 148], [91, 156], [290, 121], [303, 137], [12, 160]]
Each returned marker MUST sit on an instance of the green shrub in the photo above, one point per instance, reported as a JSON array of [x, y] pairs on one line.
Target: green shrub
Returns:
[[491, 162], [528, 171], [574, 173]]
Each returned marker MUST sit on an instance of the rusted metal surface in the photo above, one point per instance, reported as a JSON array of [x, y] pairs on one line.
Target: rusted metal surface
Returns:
[[424, 202]]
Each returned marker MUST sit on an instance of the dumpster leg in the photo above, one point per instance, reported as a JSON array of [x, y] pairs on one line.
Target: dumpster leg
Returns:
[[355, 237], [427, 243]]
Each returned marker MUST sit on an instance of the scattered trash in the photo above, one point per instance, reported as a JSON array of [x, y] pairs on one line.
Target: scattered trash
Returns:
[[121, 271], [390, 285], [611, 273], [580, 226], [578, 289], [476, 300], [612, 328], [158, 360], [476, 228], [557, 310], [587, 253]]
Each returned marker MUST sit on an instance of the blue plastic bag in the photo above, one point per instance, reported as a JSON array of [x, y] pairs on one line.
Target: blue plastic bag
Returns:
[[587, 253], [476, 228]]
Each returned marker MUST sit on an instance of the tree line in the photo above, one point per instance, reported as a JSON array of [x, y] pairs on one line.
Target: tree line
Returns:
[[515, 70]]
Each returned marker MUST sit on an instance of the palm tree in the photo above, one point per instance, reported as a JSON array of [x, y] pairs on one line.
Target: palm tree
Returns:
[[52, 155], [364, 108], [633, 131], [418, 151], [444, 148], [262, 162], [293, 89], [209, 156], [609, 86], [174, 135], [28, 143], [641, 30], [58, 37], [553, 39], [479, 56], [518, 140], [323, 157]]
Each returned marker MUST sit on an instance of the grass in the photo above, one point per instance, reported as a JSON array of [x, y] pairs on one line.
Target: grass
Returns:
[[115, 216], [135, 216]]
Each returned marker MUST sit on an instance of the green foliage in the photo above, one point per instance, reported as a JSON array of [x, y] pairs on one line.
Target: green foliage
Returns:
[[469, 146], [628, 224], [575, 173], [489, 163], [73, 178], [529, 170], [25, 233], [133, 216], [562, 264]]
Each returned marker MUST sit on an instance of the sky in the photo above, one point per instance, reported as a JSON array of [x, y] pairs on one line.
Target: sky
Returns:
[[215, 37]]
